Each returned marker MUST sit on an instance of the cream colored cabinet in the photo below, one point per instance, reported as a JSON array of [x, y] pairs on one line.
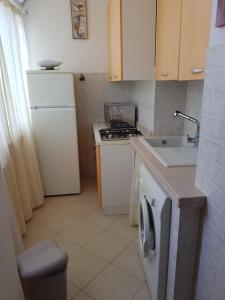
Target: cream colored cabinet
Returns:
[[115, 40], [183, 28], [195, 30], [168, 39], [131, 39]]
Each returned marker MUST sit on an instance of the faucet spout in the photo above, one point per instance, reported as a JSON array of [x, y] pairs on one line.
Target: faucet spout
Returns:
[[194, 140]]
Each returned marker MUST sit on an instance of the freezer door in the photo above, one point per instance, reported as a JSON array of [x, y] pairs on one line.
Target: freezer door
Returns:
[[55, 133], [51, 89]]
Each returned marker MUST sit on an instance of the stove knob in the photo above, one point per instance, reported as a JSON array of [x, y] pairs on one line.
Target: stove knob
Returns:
[[130, 135], [110, 136]]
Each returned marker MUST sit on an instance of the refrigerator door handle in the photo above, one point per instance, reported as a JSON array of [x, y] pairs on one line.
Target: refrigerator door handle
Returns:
[[52, 106]]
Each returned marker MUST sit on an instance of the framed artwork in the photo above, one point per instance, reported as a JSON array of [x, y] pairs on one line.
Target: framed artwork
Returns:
[[220, 16], [79, 19]]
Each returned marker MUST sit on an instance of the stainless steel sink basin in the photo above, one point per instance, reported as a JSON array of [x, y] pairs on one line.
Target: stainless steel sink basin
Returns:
[[172, 151]]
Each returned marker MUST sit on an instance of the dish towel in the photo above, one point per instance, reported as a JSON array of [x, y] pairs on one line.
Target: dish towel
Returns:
[[134, 199]]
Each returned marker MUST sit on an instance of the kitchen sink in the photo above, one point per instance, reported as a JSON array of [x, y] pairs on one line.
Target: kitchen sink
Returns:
[[172, 151]]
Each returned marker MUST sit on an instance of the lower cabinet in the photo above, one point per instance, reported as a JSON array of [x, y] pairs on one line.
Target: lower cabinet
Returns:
[[114, 173]]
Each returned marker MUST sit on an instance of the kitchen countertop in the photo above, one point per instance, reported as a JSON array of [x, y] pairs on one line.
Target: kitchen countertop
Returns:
[[98, 140], [177, 182]]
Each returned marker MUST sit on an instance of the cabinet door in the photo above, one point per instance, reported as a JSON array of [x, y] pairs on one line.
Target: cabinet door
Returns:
[[168, 39], [116, 174], [138, 39], [115, 39], [195, 28]]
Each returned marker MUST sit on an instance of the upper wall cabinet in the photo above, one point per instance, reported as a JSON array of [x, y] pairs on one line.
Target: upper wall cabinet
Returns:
[[183, 28], [131, 39]]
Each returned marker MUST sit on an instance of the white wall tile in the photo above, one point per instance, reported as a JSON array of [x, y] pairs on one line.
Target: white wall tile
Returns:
[[211, 178], [193, 105]]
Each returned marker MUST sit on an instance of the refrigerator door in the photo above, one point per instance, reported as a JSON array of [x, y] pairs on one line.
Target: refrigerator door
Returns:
[[57, 147], [51, 89]]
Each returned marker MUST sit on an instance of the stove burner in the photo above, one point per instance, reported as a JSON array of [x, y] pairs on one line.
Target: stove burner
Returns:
[[122, 133], [119, 124]]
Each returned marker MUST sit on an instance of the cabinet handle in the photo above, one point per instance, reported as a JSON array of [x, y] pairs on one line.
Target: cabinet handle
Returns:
[[164, 74], [115, 76], [197, 70]]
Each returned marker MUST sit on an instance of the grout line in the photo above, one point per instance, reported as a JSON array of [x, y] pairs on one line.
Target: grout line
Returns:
[[137, 291]]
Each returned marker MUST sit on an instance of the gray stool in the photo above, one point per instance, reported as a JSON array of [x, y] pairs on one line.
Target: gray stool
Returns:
[[42, 269]]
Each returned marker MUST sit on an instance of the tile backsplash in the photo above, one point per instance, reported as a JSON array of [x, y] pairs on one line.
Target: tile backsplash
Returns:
[[211, 179], [193, 104], [169, 96], [91, 95], [143, 95], [156, 103]]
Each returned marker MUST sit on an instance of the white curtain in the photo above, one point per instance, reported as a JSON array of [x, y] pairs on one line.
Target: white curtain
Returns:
[[17, 153], [134, 200], [11, 244]]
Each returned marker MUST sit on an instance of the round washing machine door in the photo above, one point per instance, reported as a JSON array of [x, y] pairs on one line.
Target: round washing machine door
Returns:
[[147, 228]]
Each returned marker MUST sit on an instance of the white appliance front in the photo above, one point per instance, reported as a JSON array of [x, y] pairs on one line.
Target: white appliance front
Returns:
[[116, 173], [56, 141], [49, 88], [154, 230]]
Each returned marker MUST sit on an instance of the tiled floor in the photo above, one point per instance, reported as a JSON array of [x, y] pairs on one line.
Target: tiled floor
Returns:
[[103, 259]]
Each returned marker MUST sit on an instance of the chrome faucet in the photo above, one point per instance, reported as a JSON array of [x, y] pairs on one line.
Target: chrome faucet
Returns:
[[194, 140]]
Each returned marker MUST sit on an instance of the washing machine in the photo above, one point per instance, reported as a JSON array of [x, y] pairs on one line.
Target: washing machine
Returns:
[[154, 233]]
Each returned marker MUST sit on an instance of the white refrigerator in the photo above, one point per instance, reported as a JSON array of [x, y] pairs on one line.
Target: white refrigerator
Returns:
[[53, 113]]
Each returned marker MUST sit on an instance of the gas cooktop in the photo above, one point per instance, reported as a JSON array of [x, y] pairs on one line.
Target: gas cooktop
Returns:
[[122, 133]]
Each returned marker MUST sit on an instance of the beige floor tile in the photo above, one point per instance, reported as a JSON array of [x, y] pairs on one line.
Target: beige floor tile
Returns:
[[83, 267], [44, 212], [136, 242], [75, 222], [129, 262], [81, 210], [123, 229], [107, 245], [62, 201], [72, 291], [81, 232], [59, 222], [113, 284], [38, 235], [98, 218], [143, 294], [65, 244], [33, 226], [83, 296]]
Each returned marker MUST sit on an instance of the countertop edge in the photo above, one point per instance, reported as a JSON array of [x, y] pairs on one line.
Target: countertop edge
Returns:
[[153, 164]]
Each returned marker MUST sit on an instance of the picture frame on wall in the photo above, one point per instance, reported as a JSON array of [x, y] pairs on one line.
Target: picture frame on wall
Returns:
[[220, 15], [79, 19]]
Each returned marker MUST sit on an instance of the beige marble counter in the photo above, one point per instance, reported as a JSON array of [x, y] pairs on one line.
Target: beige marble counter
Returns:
[[177, 182], [98, 140]]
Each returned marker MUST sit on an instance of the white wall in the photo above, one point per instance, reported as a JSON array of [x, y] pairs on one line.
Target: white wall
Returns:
[[217, 36], [49, 34]]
